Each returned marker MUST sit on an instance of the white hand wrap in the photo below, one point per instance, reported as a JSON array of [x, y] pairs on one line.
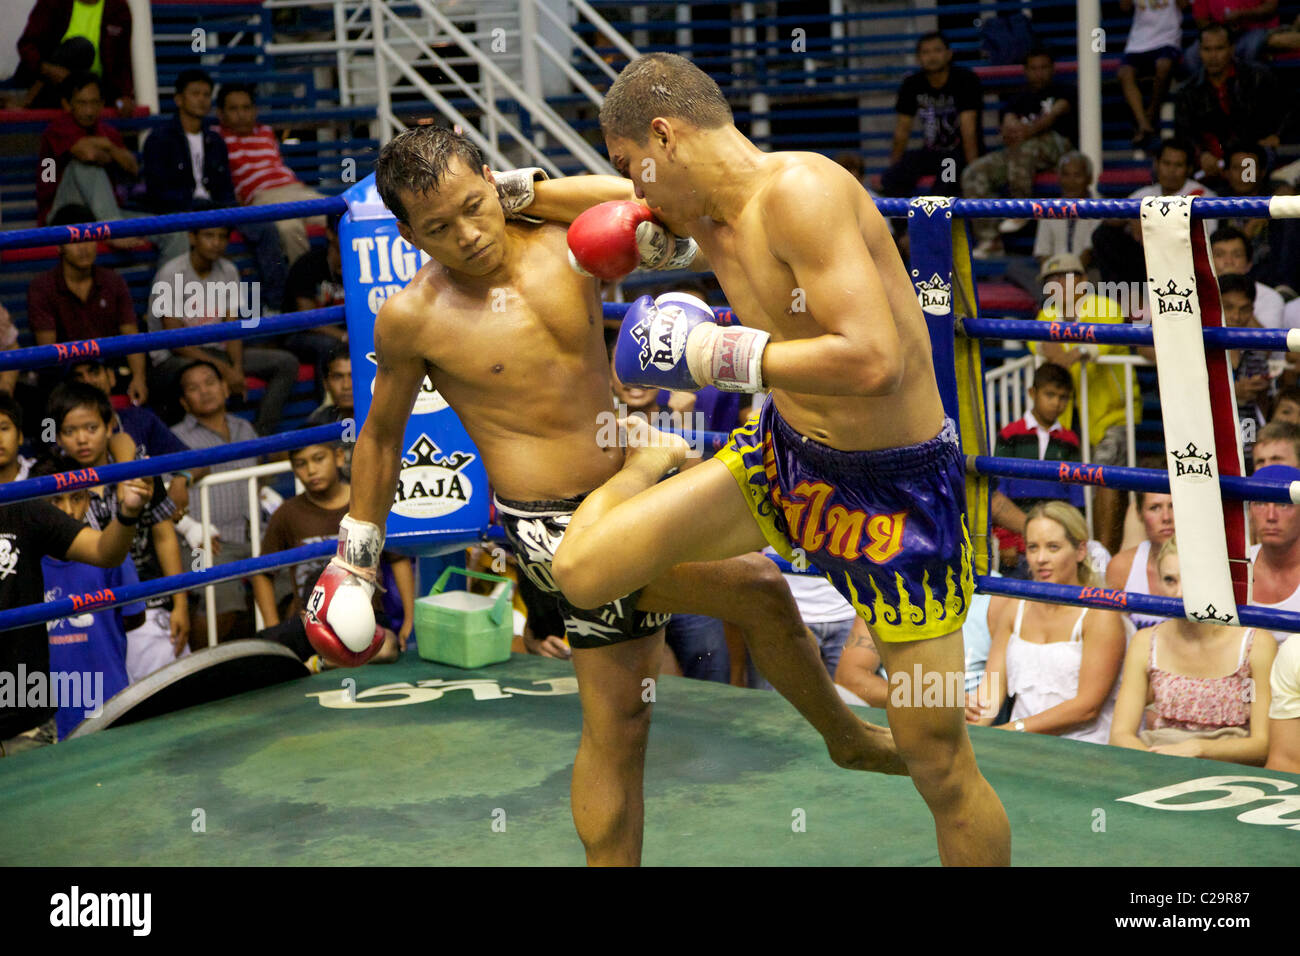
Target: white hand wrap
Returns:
[[515, 190], [660, 250], [729, 357], [360, 545]]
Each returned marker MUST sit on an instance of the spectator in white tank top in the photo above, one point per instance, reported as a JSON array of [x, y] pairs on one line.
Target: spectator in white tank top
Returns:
[[1059, 662], [1275, 561], [1134, 569], [1284, 710]]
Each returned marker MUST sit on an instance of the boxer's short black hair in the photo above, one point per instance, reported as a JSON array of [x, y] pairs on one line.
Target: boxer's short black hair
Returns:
[[661, 84], [68, 396], [418, 160]]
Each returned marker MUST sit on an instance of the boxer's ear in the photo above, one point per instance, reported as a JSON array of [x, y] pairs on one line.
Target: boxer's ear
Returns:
[[487, 174]]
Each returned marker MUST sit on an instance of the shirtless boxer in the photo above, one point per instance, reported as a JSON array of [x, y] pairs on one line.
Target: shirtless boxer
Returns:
[[513, 339], [851, 459]]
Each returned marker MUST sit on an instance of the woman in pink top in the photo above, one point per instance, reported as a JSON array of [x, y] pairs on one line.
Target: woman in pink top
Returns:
[[1202, 688]]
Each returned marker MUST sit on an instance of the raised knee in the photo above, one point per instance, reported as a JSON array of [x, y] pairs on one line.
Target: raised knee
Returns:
[[579, 581]]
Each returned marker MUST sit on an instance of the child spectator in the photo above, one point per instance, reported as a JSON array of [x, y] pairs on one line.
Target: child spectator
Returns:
[[947, 102], [89, 157], [206, 424], [80, 300], [1201, 687], [82, 418], [29, 531], [1037, 128], [315, 515], [1038, 436], [1061, 664], [256, 167], [1071, 236], [150, 435], [91, 644], [203, 287], [13, 466], [1154, 45]]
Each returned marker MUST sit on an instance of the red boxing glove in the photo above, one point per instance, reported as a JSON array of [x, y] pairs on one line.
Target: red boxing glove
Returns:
[[603, 240], [339, 618]]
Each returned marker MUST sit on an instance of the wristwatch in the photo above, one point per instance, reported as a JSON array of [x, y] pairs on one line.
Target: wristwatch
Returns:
[[1019, 725]]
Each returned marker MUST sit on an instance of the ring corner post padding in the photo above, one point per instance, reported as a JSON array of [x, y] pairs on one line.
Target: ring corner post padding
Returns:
[[442, 485], [1202, 434], [945, 289], [209, 675]]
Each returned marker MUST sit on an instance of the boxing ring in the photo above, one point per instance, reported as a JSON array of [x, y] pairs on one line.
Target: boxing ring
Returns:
[[420, 763]]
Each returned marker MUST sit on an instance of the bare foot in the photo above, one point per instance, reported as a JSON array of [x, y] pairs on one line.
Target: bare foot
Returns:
[[874, 751], [652, 451]]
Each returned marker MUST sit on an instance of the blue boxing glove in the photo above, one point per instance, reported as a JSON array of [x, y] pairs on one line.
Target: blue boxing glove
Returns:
[[674, 342]]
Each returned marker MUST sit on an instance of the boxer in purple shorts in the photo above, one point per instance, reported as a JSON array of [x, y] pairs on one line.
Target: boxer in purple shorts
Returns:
[[850, 460]]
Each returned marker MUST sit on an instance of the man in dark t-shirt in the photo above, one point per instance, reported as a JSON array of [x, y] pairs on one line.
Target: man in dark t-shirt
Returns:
[[315, 282], [945, 101], [1038, 127], [29, 531]]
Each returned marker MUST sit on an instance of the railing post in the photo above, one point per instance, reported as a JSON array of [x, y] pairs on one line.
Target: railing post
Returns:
[[532, 74], [384, 106]]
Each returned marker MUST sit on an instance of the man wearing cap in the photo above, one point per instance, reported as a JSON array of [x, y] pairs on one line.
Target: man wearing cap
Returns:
[[1068, 296], [1275, 561]]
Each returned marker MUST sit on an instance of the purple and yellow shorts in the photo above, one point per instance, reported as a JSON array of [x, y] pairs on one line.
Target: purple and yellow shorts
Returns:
[[886, 527]]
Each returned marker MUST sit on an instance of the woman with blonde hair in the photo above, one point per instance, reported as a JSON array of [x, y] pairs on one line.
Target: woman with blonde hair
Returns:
[[1203, 688], [1060, 662]]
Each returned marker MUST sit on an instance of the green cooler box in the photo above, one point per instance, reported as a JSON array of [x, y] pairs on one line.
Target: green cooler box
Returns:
[[463, 629]]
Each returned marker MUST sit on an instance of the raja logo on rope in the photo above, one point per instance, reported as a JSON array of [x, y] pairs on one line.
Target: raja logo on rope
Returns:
[[430, 483], [934, 294], [931, 204], [1193, 464]]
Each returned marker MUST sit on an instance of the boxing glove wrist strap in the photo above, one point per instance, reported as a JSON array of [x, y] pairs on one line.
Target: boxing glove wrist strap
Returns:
[[730, 358], [515, 190]]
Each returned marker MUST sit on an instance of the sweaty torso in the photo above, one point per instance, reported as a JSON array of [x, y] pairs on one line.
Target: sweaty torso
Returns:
[[763, 292], [520, 357]]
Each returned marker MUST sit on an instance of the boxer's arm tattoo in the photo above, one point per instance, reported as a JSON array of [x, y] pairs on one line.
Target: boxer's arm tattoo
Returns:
[[382, 364]]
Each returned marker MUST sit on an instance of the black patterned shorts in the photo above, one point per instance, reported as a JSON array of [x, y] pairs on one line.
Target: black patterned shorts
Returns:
[[534, 529]]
